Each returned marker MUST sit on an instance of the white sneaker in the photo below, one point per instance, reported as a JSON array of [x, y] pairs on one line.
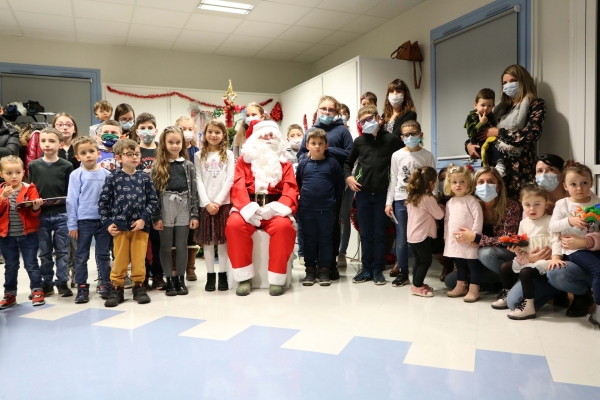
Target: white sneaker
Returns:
[[128, 283], [300, 260], [524, 309], [501, 303]]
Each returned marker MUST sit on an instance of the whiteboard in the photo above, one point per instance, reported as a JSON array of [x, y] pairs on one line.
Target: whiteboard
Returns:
[[465, 64]]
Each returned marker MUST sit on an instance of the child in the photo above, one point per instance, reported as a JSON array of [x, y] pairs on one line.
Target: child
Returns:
[[18, 231], [295, 134], [188, 126], [126, 205], [480, 119], [125, 116], [438, 243], [254, 112], [345, 115], [536, 225], [368, 99], [214, 170], [409, 158], [103, 111], [321, 184], [177, 211], [50, 174], [110, 133], [567, 220], [462, 211], [374, 152], [84, 224], [144, 133], [68, 127], [421, 231]]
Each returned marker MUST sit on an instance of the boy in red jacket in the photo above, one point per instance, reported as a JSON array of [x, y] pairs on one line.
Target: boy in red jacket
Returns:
[[18, 231]]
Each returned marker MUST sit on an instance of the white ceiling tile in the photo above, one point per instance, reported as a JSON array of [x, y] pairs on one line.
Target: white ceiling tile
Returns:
[[261, 29], [102, 11], [49, 35], [156, 17], [325, 18], [269, 55], [351, 6], [199, 37], [127, 2], [50, 7], [246, 42], [306, 3], [321, 50], [305, 58], [210, 23], [153, 32], [195, 48], [364, 24], [153, 44], [7, 19], [287, 46], [10, 31], [235, 52], [275, 12], [101, 39], [97, 27], [4, 4], [339, 38], [50, 22], [304, 34], [176, 5], [392, 8]]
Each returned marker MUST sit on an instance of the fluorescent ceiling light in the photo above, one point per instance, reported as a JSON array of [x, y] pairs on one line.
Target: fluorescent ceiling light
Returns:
[[225, 6]]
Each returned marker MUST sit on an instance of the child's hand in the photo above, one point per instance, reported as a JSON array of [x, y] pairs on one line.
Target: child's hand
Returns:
[[8, 190], [577, 222], [556, 262], [74, 234], [212, 208], [483, 119], [353, 184], [138, 225], [389, 211], [194, 224], [113, 230], [37, 203], [158, 225], [514, 249], [572, 242]]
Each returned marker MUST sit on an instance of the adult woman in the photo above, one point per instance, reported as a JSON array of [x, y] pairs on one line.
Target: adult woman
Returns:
[[398, 107], [521, 115], [547, 174]]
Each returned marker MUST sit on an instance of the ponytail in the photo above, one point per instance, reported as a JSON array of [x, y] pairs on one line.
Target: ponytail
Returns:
[[419, 184]]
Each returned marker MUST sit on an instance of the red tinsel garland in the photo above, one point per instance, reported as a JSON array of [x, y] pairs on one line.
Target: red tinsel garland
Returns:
[[314, 118], [171, 94], [277, 113], [305, 123]]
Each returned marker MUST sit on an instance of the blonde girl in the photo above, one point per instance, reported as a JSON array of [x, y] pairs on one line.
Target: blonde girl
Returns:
[[423, 210], [462, 211], [254, 112], [215, 166], [174, 179]]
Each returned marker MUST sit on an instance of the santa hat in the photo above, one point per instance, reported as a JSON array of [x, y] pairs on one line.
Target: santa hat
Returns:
[[258, 128]]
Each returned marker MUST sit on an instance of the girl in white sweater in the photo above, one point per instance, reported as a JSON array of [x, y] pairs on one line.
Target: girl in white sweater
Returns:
[[214, 169]]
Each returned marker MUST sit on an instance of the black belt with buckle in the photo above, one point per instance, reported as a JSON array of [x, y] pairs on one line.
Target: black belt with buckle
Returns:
[[263, 198]]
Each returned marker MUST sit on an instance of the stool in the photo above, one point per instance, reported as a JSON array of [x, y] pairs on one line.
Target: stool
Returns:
[[260, 259]]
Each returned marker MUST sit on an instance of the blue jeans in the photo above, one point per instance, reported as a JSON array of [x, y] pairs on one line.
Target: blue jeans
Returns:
[[401, 242], [544, 292], [28, 246], [370, 209], [571, 279], [88, 229], [318, 237], [300, 239], [53, 235], [345, 219], [589, 261], [493, 257]]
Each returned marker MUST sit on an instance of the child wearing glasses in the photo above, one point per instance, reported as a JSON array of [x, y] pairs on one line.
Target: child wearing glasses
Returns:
[[412, 156], [67, 125]]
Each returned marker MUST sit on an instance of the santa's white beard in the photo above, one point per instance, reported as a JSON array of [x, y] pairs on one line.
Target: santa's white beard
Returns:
[[265, 159]]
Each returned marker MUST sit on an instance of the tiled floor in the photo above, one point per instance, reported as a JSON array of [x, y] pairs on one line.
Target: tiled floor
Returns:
[[344, 341]]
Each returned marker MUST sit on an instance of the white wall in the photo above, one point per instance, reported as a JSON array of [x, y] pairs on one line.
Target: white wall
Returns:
[[150, 67]]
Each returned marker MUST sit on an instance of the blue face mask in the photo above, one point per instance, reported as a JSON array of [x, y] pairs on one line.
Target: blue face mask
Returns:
[[548, 181], [126, 125], [109, 140], [370, 127], [326, 119], [412, 141], [344, 119], [511, 89], [486, 192]]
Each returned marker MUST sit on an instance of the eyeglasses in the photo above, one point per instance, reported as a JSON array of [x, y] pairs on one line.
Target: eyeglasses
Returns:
[[368, 119], [67, 125], [327, 110], [409, 134], [133, 155]]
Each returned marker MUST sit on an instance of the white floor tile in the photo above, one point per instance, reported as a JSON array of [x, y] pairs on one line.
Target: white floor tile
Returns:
[[216, 330], [509, 343], [455, 356], [567, 370], [328, 340]]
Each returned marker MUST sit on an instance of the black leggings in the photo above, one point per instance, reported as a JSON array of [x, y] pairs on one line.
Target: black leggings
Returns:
[[423, 254], [527, 275], [465, 266]]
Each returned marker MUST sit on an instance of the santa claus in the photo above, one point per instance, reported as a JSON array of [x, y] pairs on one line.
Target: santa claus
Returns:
[[264, 195]]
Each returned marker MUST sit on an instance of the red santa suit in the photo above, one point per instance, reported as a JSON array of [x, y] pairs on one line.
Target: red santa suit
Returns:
[[259, 172]]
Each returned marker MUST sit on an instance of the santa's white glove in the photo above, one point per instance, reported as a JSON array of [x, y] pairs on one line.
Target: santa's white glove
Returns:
[[266, 212], [255, 220]]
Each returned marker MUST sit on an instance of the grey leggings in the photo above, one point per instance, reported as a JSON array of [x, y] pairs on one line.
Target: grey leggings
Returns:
[[181, 251]]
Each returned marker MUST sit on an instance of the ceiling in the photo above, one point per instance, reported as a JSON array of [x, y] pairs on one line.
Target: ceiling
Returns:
[[285, 30]]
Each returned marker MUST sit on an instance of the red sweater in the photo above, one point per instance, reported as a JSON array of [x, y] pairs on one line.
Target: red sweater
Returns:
[[29, 217]]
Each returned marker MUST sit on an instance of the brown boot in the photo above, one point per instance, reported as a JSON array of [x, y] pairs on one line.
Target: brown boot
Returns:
[[447, 265], [190, 272], [395, 271], [174, 265]]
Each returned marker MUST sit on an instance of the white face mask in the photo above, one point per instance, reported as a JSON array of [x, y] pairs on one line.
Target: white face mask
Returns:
[[295, 143], [188, 135], [396, 99]]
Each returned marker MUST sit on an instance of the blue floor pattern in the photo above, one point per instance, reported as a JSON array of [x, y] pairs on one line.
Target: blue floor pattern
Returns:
[[72, 358]]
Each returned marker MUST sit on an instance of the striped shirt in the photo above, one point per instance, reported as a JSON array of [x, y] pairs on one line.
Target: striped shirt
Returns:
[[15, 225]]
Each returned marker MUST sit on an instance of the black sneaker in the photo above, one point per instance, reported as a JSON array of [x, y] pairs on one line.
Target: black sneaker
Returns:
[[48, 289], [83, 294], [158, 283], [580, 305], [401, 280], [116, 297], [63, 290], [170, 289], [139, 294], [311, 277], [180, 285], [105, 290], [324, 277], [362, 276], [334, 273], [378, 277]]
